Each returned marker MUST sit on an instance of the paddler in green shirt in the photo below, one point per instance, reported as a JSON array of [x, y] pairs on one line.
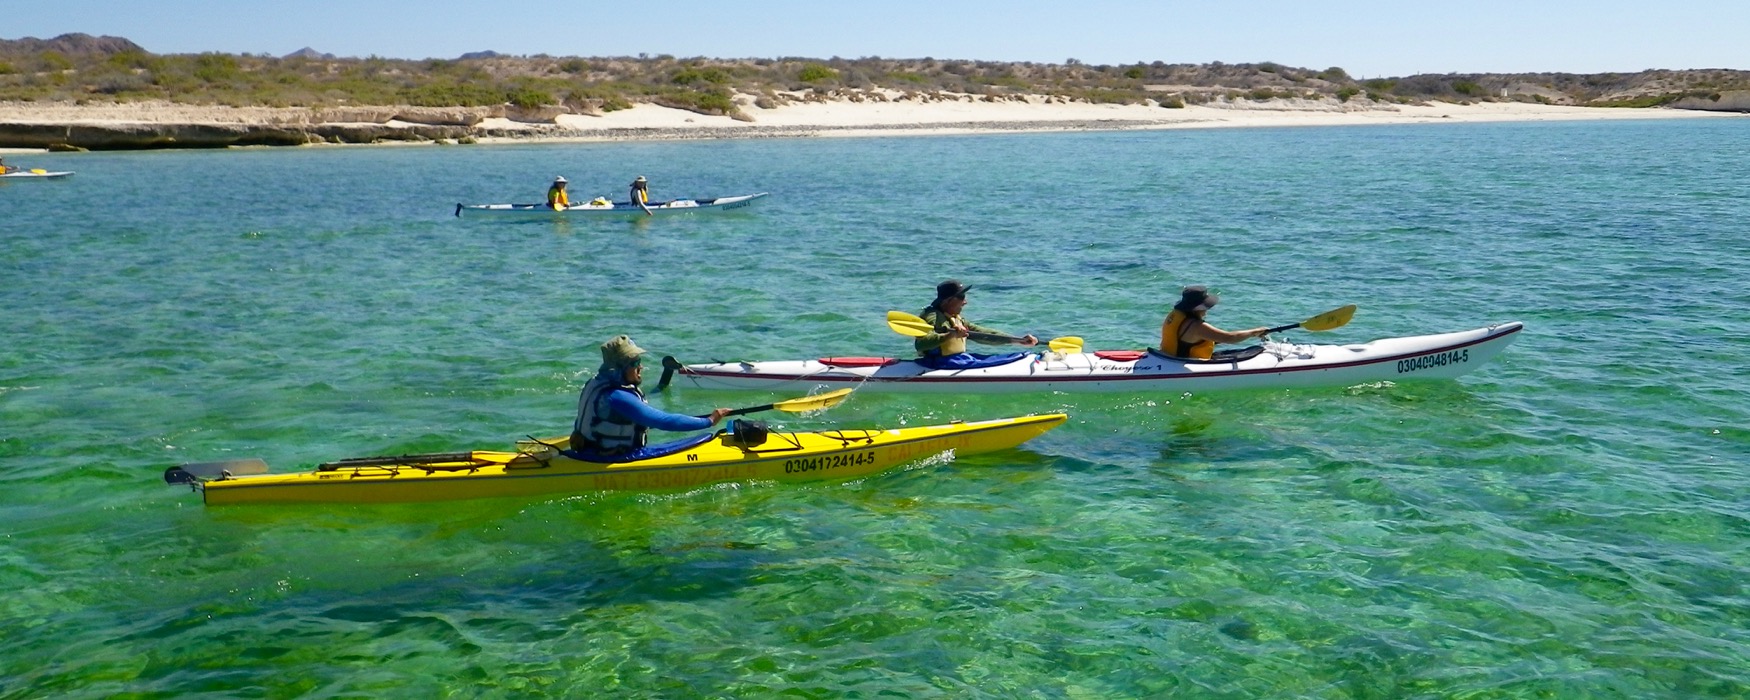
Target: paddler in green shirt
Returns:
[[946, 347]]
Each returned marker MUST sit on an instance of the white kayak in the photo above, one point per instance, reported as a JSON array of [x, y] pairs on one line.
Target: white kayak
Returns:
[[614, 210], [38, 174], [1268, 366]]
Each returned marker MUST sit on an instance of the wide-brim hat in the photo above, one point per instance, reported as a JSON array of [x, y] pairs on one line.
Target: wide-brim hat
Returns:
[[620, 352], [951, 288], [1196, 298]]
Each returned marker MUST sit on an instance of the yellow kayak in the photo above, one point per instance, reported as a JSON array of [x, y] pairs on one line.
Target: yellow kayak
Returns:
[[538, 469]]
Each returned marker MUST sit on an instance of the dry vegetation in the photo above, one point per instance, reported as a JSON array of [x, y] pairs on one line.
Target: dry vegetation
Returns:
[[81, 68]]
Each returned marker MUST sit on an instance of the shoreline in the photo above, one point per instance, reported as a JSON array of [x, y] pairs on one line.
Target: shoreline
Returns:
[[167, 125]]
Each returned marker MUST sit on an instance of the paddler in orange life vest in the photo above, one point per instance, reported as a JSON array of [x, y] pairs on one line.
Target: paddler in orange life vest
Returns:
[[556, 197], [1186, 334], [613, 418], [640, 195], [946, 347]]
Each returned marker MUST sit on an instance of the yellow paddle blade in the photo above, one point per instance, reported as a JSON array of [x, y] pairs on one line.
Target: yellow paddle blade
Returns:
[[39, 171], [908, 324], [1066, 344], [1335, 318], [816, 402]]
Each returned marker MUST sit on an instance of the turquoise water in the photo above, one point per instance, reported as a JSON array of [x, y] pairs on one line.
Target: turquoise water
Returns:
[[1570, 520]]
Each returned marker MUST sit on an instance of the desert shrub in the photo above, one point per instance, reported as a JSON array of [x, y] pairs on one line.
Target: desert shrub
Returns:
[[1174, 102], [54, 61], [574, 66], [530, 98], [216, 68], [1346, 92], [1135, 73], [814, 72], [1468, 87], [7, 69], [1334, 74], [689, 76]]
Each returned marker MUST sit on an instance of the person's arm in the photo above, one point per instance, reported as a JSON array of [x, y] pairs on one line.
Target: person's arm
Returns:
[[629, 405], [975, 328], [1201, 330]]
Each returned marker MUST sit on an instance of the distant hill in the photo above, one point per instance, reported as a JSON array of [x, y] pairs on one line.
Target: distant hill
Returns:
[[75, 67], [82, 45], [309, 53]]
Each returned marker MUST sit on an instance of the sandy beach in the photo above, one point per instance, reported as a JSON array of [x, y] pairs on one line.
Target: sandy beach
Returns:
[[888, 115]]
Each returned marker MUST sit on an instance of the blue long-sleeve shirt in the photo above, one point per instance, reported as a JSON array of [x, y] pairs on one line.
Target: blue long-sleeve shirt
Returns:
[[630, 406]]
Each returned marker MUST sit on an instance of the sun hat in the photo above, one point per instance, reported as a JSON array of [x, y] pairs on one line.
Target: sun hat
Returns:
[[620, 353], [951, 288], [1196, 298], [561, 178], [640, 179]]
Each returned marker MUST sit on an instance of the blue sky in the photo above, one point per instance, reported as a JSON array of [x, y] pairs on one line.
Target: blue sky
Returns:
[[1368, 38]]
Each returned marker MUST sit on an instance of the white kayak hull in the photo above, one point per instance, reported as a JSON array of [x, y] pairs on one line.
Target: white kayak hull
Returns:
[[616, 210], [34, 175], [1282, 365]]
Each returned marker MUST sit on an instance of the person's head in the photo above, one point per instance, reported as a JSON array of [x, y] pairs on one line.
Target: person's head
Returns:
[[559, 182], [622, 356], [1196, 299], [951, 296], [640, 179]]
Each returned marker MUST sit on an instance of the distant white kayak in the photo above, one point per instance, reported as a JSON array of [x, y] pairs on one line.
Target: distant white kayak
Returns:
[[613, 209], [37, 175], [1269, 366]]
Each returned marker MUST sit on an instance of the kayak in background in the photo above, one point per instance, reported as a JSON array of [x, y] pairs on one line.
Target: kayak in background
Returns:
[[605, 209], [37, 174], [540, 468], [1268, 366]]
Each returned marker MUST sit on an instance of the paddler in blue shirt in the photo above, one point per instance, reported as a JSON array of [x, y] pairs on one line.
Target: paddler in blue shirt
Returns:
[[946, 347], [556, 198], [1186, 334], [640, 195], [612, 416]]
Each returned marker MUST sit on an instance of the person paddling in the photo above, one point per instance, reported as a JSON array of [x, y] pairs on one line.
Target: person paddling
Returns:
[[4, 168], [557, 200], [640, 195], [945, 348], [613, 418], [1186, 334]]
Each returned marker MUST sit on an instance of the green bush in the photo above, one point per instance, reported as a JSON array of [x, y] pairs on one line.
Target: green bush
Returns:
[[1135, 73], [530, 98], [1346, 92], [1467, 87], [815, 72]]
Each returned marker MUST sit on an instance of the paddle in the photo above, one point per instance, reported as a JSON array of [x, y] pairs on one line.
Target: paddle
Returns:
[[817, 402], [916, 327], [1335, 318]]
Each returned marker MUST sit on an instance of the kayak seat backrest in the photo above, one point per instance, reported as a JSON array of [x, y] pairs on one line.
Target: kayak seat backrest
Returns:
[[1221, 357], [1121, 355], [858, 361]]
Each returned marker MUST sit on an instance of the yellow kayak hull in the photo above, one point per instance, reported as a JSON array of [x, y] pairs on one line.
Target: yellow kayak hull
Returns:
[[811, 456]]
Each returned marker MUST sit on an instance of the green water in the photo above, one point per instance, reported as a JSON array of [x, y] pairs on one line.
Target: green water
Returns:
[[1570, 520]]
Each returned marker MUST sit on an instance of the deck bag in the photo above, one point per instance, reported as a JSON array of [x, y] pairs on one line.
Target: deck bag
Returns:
[[748, 433], [968, 360]]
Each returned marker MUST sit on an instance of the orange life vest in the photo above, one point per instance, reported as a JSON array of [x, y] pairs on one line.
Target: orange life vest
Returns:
[[1172, 338]]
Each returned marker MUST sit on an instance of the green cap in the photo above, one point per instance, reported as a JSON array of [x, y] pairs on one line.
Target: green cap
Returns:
[[620, 352]]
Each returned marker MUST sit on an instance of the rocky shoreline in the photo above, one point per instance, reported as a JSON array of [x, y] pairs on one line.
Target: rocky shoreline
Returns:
[[135, 126]]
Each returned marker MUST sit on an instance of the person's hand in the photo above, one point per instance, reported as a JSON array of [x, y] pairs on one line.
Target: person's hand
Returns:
[[1258, 332], [718, 415], [1028, 340], [958, 332]]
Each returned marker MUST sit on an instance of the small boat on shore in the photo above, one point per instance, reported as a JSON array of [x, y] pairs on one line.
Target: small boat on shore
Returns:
[[37, 174], [613, 210], [538, 468], [1271, 365]]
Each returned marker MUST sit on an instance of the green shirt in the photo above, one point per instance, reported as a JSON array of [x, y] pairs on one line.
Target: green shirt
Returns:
[[941, 321]]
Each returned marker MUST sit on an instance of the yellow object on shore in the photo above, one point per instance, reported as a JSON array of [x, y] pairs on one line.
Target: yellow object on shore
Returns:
[[540, 470]]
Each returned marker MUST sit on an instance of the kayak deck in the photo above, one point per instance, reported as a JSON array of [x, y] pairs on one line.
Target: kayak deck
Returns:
[[1279, 365], [538, 470]]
